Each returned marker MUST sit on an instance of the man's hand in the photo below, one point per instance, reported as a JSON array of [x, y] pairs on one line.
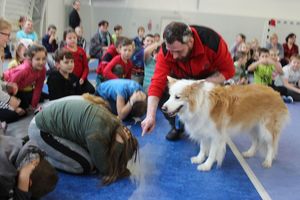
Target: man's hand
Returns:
[[148, 124], [81, 81]]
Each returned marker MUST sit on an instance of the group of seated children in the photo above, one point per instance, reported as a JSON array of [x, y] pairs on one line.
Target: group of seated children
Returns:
[[268, 71]]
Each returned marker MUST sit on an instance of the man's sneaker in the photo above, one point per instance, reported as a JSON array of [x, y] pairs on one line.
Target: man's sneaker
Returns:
[[174, 134], [288, 99]]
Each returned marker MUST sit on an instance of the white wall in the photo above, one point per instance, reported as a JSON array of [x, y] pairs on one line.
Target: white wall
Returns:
[[228, 17], [281, 9], [56, 14]]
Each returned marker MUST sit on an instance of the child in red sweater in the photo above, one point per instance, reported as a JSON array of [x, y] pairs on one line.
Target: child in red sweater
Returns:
[[81, 69], [120, 66]]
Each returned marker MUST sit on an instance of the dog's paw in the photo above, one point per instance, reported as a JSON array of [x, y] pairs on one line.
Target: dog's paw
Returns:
[[197, 160], [204, 167], [247, 154], [267, 164]]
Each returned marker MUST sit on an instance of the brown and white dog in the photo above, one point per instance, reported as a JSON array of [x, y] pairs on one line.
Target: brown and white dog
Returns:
[[211, 113]]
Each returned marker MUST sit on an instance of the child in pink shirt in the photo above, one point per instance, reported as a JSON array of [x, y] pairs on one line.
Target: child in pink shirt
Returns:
[[32, 72]]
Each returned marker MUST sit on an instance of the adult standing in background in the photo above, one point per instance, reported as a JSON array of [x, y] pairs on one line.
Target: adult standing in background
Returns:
[[74, 18], [194, 52], [100, 41]]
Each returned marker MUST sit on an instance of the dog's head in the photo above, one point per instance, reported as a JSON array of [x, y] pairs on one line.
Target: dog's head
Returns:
[[184, 95]]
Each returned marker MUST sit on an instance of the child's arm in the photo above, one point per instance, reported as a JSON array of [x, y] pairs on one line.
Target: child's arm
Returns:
[[123, 108], [253, 66], [38, 88], [84, 65], [149, 49], [107, 71], [290, 86], [277, 66]]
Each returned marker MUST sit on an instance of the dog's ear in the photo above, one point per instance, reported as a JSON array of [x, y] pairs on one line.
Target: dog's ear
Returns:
[[171, 80]]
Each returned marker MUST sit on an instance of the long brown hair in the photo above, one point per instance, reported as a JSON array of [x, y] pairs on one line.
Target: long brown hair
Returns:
[[118, 165], [117, 162]]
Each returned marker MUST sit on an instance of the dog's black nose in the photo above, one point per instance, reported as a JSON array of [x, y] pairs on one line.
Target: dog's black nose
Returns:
[[164, 108]]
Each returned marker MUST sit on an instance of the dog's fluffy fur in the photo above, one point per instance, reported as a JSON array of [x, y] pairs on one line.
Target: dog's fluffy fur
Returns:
[[211, 113]]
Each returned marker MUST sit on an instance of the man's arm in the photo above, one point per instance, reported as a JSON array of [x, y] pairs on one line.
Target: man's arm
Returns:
[[216, 78]]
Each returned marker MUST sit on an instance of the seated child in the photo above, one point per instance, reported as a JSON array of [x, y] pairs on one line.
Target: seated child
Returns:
[[81, 42], [9, 104], [117, 33], [138, 59], [63, 82], [126, 97], [81, 69], [112, 51], [31, 73], [291, 80], [240, 76], [24, 173], [123, 59], [150, 53], [264, 68], [19, 55]]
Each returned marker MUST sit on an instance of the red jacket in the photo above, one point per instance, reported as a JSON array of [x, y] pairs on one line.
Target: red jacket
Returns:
[[81, 68], [107, 57], [209, 55], [127, 67]]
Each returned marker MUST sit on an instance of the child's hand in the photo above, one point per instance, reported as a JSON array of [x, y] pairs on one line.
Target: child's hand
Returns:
[[12, 88], [20, 111], [14, 102], [81, 81]]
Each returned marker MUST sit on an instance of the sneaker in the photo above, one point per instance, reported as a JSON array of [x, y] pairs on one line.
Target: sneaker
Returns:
[[288, 99], [174, 134]]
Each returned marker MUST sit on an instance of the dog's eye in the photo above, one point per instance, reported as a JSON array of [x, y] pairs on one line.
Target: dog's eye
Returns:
[[177, 97]]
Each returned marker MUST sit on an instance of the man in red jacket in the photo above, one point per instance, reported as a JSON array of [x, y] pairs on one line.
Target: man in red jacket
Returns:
[[189, 52]]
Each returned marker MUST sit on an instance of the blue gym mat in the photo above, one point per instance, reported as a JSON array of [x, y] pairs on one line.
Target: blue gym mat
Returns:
[[164, 172]]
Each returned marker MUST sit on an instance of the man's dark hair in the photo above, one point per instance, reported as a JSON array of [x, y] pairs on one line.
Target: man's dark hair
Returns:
[[102, 23], [177, 31], [138, 109]]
